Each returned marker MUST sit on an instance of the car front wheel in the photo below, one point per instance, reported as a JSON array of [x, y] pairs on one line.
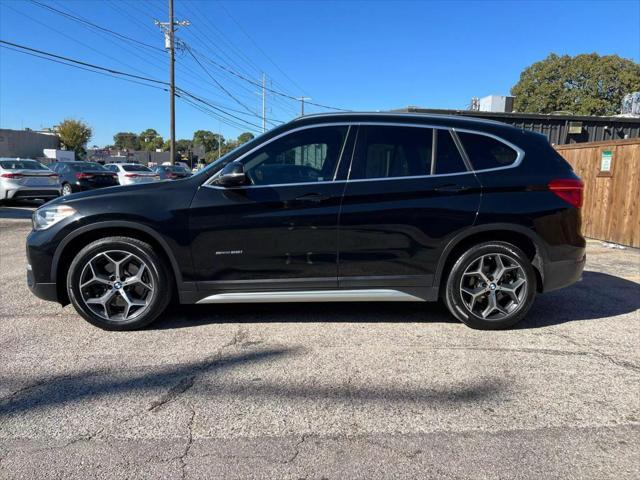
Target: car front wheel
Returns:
[[119, 283], [491, 286]]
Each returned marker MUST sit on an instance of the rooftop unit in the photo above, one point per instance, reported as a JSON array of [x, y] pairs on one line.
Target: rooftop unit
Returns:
[[496, 103]]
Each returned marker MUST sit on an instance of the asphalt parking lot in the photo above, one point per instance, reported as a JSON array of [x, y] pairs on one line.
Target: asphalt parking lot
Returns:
[[323, 390]]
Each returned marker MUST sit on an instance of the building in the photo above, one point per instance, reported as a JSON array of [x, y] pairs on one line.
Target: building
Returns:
[[26, 143], [560, 129]]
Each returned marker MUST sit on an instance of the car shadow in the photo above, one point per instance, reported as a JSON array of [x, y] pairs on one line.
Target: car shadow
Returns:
[[596, 296]]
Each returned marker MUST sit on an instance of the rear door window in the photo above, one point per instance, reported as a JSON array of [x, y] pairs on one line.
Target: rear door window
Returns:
[[487, 152], [448, 158], [389, 151]]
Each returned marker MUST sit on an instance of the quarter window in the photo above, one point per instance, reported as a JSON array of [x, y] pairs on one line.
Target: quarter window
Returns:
[[487, 152], [309, 155], [385, 152]]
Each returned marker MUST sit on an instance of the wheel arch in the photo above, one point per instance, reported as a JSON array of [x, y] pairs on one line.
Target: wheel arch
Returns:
[[525, 239], [81, 237]]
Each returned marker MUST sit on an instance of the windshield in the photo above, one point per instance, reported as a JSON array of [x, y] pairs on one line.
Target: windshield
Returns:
[[135, 168], [86, 167], [21, 165]]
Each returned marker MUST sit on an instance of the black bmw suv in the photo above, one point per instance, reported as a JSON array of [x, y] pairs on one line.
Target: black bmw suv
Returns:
[[341, 207]]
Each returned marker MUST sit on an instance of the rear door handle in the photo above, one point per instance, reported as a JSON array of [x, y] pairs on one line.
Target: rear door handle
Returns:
[[312, 198], [451, 188]]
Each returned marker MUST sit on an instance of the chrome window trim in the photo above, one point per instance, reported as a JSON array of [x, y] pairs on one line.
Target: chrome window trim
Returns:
[[453, 131]]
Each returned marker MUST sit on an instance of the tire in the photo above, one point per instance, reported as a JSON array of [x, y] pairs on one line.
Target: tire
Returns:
[[108, 270], [66, 189], [468, 296]]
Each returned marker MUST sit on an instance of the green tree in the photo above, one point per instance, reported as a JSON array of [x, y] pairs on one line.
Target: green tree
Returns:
[[207, 139], [587, 84], [74, 135], [150, 140], [126, 140], [245, 137]]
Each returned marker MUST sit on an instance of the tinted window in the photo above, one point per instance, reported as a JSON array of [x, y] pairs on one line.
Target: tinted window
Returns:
[[448, 158], [487, 152], [21, 165], [135, 168], [112, 168], [309, 155], [384, 152], [85, 167]]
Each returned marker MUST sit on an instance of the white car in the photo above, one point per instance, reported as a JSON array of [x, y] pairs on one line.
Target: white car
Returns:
[[27, 179], [132, 173]]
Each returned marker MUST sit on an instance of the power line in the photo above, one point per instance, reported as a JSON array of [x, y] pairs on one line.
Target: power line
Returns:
[[188, 49], [271, 90], [241, 28], [82, 68], [117, 74], [97, 67], [104, 29]]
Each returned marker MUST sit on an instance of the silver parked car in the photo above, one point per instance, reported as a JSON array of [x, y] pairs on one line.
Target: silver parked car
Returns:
[[27, 179], [131, 173]]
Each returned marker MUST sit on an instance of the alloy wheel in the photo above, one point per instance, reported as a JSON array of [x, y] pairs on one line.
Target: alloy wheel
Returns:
[[493, 286], [116, 285]]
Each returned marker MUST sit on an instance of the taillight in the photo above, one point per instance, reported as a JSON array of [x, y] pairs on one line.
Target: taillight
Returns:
[[53, 175], [11, 175], [83, 176], [131, 175], [568, 189]]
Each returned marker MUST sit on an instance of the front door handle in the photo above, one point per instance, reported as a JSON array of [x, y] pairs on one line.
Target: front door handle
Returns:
[[312, 198], [451, 188]]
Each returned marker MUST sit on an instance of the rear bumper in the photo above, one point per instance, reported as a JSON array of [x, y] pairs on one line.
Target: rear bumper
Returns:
[[35, 192], [563, 273]]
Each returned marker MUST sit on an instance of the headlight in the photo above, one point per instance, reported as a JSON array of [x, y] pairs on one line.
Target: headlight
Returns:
[[45, 217]]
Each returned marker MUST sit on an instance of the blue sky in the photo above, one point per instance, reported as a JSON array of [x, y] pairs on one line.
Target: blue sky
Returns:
[[348, 54]]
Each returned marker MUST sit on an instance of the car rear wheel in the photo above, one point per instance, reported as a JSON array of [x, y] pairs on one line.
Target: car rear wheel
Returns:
[[491, 286], [119, 283], [66, 189]]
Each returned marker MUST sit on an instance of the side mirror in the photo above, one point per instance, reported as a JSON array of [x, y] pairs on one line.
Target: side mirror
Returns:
[[232, 175]]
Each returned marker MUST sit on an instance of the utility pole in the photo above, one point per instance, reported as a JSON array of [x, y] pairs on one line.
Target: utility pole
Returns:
[[264, 103], [169, 29], [302, 99]]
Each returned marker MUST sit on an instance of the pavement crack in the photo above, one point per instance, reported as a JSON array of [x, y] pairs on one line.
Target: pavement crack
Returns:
[[296, 448], [187, 447], [590, 350], [174, 392], [24, 389]]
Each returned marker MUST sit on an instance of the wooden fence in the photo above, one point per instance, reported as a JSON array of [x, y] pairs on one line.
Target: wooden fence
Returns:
[[611, 175]]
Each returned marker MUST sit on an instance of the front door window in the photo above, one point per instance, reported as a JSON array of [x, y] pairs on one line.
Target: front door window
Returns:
[[306, 156]]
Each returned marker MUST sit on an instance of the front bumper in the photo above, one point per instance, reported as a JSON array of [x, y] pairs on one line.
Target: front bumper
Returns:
[[45, 291], [563, 273]]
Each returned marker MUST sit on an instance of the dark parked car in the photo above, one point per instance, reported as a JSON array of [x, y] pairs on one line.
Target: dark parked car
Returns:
[[172, 172], [341, 207], [81, 176]]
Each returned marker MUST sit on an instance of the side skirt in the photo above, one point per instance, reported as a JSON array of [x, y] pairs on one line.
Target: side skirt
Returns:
[[360, 295]]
